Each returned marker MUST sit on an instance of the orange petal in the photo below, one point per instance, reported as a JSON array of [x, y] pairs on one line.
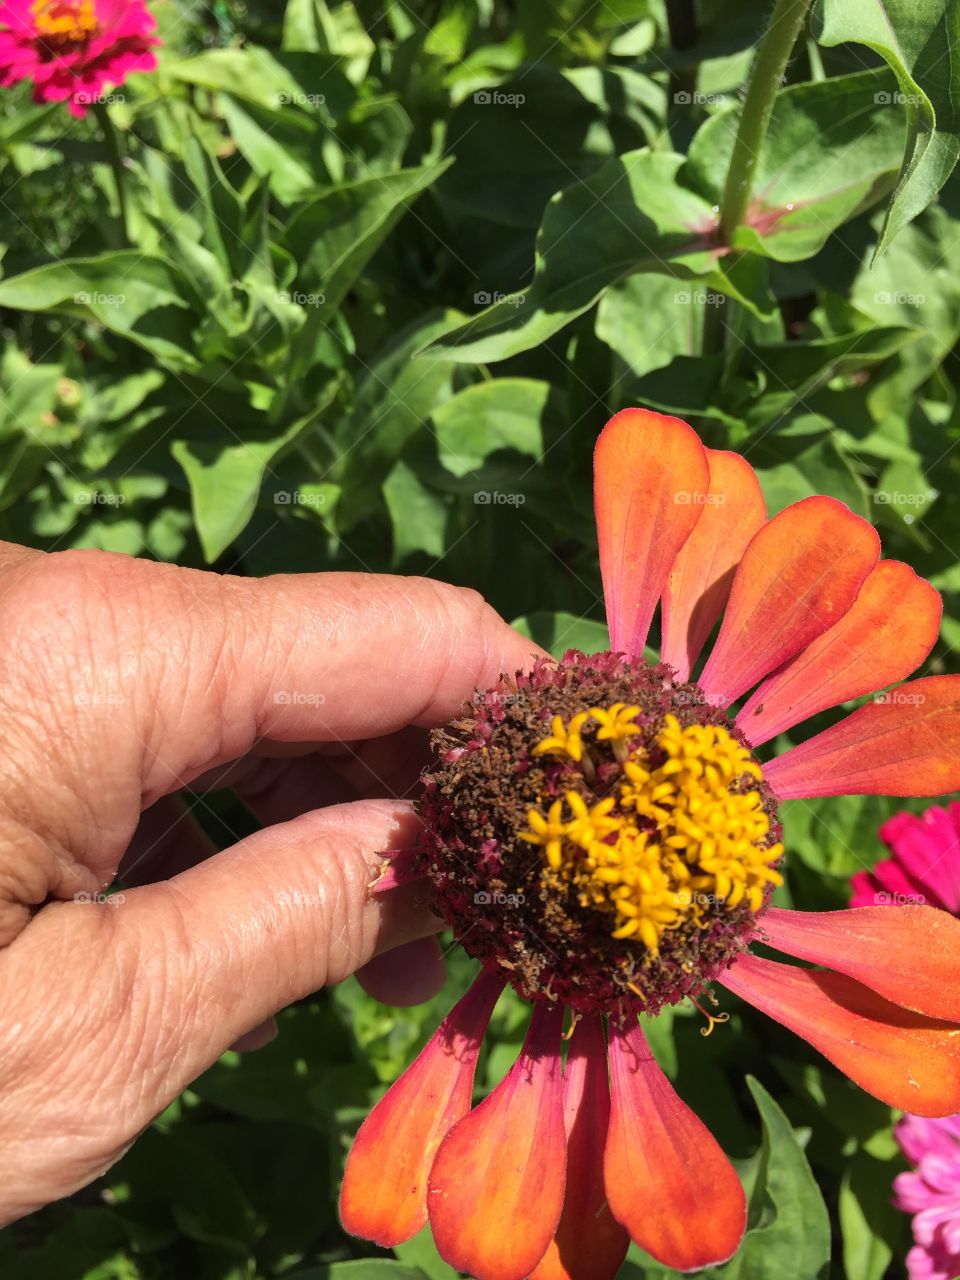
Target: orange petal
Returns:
[[702, 575], [891, 628], [496, 1186], [904, 743], [798, 576], [384, 1194], [590, 1244], [667, 1180], [902, 1058], [909, 954], [650, 480]]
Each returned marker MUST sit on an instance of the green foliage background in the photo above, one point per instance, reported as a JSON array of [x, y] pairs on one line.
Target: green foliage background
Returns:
[[383, 272]]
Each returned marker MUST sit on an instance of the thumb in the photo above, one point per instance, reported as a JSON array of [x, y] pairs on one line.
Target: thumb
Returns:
[[278, 915], [150, 987]]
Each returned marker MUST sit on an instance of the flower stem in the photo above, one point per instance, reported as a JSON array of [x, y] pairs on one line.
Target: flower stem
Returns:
[[773, 55], [115, 152]]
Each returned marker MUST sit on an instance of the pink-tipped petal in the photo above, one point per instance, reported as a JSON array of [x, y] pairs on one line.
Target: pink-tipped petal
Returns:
[[901, 1057], [650, 482], [908, 954], [496, 1186], [798, 576], [384, 1194], [904, 743], [702, 575], [667, 1179], [892, 626], [590, 1244]]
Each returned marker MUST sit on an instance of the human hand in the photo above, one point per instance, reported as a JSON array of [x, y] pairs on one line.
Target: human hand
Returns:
[[122, 681]]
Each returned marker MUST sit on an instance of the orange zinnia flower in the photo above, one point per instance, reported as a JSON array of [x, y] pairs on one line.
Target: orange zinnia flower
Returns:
[[601, 833]]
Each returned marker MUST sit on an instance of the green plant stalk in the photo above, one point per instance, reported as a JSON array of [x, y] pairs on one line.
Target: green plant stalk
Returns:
[[773, 55], [116, 163], [783, 31]]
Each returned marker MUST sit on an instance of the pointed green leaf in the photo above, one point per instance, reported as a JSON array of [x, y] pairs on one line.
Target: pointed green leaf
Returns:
[[503, 414], [832, 148], [629, 216], [918, 39]]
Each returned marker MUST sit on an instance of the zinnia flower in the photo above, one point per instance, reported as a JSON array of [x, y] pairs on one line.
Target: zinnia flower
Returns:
[[924, 867], [73, 49], [932, 1195], [603, 834]]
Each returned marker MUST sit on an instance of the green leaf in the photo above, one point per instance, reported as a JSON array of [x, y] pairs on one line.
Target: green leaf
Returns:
[[788, 1230], [819, 468], [519, 143], [394, 398], [870, 1231], [132, 294], [506, 413], [557, 632], [418, 514], [225, 474], [630, 216], [831, 150], [422, 1252], [333, 237], [268, 78], [649, 319], [288, 153], [918, 40]]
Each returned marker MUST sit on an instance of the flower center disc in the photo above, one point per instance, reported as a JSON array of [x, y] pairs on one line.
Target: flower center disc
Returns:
[[600, 832], [64, 24]]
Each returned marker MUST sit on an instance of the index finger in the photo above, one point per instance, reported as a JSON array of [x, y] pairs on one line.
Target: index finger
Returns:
[[153, 674]]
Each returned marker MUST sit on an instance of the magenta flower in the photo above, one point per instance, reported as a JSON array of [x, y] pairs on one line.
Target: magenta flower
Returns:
[[73, 49], [924, 868], [932, 1194]]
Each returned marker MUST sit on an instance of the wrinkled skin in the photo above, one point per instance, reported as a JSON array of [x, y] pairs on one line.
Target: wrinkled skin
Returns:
[[122, 681]]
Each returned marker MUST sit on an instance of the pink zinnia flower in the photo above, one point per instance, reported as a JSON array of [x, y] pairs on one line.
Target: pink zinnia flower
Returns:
[[932, 1195], [602, 834], [73, 49], [924, 867]]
